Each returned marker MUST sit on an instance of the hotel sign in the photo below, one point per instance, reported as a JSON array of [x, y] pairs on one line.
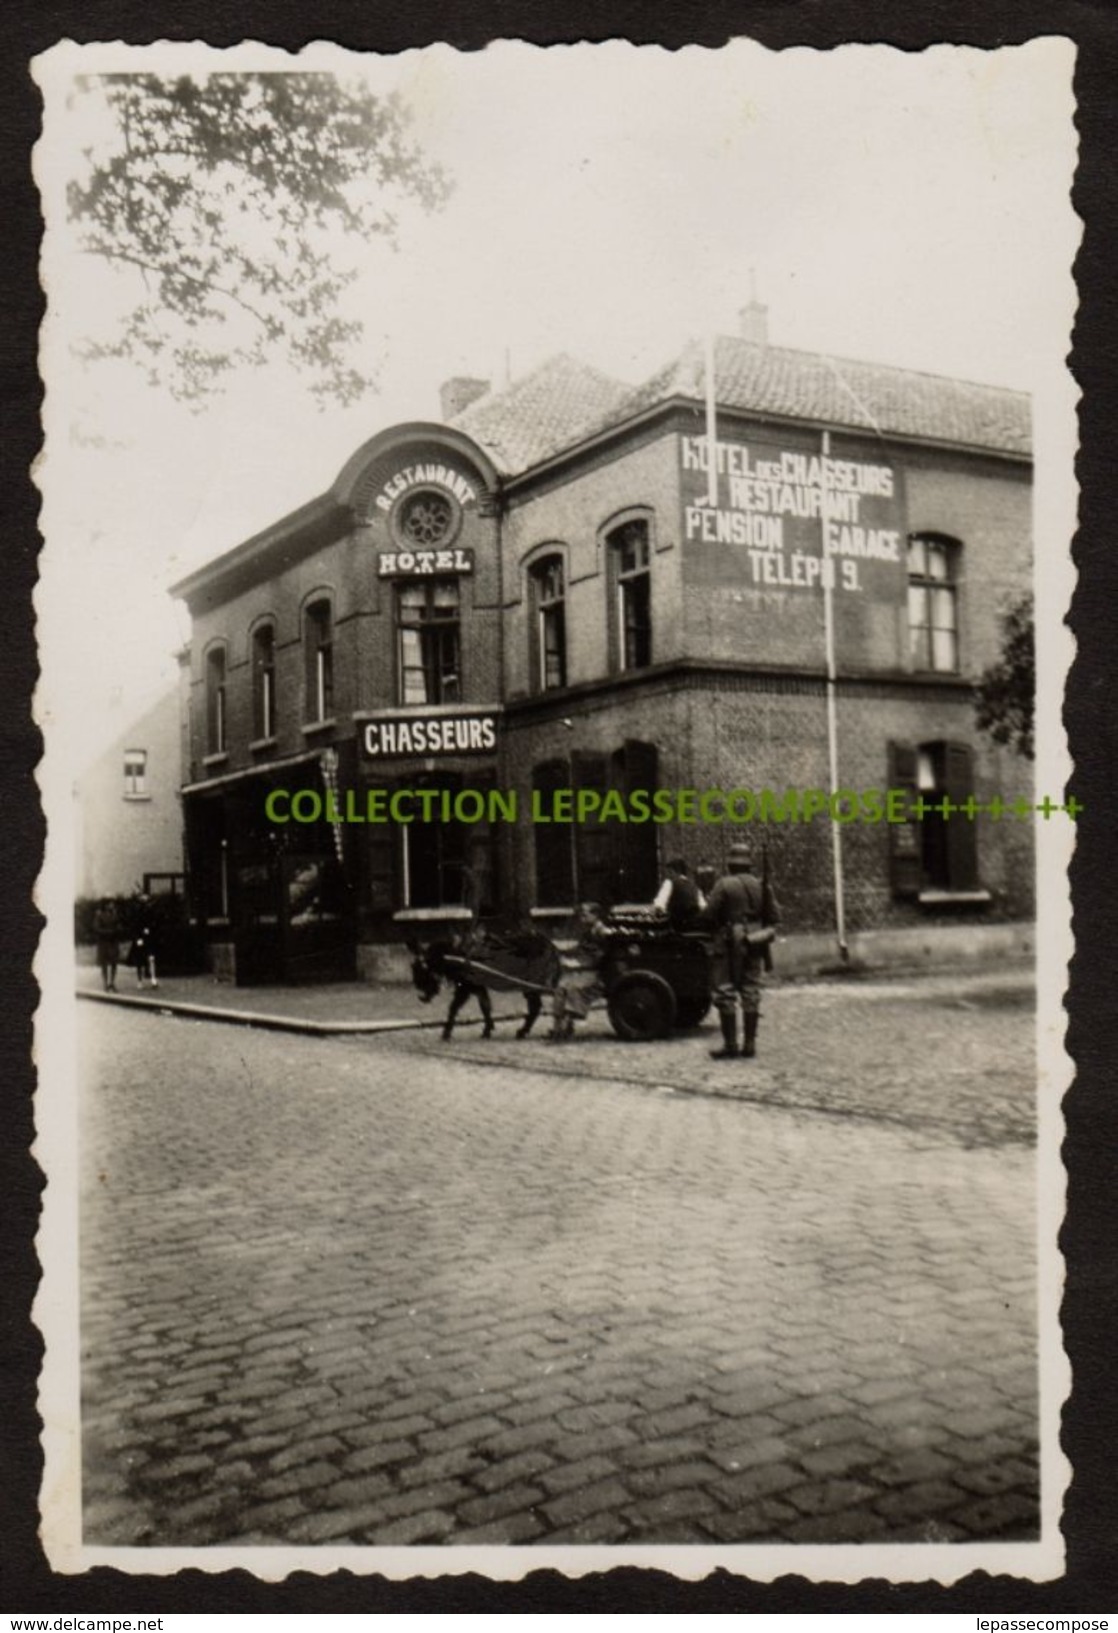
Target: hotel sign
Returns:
[[401, 735], [423, 563], [796, 520]]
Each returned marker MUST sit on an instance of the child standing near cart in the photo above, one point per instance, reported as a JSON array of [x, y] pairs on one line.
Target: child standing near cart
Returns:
[[581, 981]]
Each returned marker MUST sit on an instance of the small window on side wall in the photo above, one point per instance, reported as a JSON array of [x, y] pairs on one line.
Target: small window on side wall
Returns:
[[549, 623], [135, 773], [933, 613], [630, 577]]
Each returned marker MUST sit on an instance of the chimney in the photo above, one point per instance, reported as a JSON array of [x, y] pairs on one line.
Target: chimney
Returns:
[[753, 323], [456, 395], [753, 319]]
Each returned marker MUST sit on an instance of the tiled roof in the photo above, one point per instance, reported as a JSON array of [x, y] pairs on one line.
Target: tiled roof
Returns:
[[563, 401], [556, 405], [834, 391]]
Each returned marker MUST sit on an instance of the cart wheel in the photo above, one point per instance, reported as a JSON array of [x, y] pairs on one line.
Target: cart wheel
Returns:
[[691, 1011], [641, 1007]]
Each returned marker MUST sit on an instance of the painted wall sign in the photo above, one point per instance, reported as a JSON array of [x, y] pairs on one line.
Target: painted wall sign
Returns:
[[799, 519], [426, 476], [422, 563], [430, 734]]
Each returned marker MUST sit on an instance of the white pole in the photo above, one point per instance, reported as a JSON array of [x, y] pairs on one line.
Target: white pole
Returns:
[[712, 426], [828, 571]]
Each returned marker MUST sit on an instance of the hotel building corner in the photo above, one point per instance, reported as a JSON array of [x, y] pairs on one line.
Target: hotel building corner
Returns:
[[544, 589]]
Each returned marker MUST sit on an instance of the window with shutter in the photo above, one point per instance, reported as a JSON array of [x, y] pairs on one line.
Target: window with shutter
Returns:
[[936, 853]]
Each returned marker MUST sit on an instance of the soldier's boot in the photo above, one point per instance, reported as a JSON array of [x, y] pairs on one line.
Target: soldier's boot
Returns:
[[749, 1047], [729, 1048]]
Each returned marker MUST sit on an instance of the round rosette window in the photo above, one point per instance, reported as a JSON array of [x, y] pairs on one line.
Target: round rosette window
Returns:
[[426, 518]]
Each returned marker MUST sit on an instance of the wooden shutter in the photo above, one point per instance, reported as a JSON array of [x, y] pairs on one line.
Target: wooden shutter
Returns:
[[596, 869], [553, 842], [637, 766], [905, 866], [961, 831]]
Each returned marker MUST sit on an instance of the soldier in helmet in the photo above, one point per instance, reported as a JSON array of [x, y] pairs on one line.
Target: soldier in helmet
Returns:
[[743, 913]]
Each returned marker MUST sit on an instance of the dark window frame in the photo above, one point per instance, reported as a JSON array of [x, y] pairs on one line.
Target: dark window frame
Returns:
[[135, 773], [217, 721], [264, 680], [934, 856], [629, 568], [428, 642], [318, 657], [547, 582]]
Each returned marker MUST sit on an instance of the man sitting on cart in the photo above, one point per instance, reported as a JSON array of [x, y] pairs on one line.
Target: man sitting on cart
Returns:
[[580, 981], [679, 896]]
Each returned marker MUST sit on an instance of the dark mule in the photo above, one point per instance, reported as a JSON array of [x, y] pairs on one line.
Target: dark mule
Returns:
[[475, 965]]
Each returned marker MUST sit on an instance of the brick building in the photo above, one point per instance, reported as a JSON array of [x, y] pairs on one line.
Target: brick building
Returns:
[[546, 590]]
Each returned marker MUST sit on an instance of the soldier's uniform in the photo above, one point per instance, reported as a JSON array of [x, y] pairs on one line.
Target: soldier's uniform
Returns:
[[742, 912]]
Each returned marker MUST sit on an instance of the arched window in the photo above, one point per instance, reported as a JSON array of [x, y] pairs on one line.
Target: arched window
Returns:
[[318, 653], [215, 701], [264, 681], [547, 587], [933, 624], [630, 581]]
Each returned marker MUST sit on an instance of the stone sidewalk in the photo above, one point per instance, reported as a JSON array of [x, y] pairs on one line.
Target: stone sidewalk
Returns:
[[332, 1007]]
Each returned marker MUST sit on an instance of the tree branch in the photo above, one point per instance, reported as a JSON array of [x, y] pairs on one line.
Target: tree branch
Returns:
[[175, 272]]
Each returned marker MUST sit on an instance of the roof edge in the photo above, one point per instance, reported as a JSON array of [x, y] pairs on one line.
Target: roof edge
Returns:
[[666, 406]]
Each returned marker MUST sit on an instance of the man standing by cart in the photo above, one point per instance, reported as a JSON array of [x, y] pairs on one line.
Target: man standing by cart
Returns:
[[743, 914]]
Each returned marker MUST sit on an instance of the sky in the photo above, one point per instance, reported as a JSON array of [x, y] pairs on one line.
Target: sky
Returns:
[[609, 201]]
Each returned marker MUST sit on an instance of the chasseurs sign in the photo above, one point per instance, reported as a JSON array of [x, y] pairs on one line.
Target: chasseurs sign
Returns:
[[419, 563], [426, 476], [430, 734]]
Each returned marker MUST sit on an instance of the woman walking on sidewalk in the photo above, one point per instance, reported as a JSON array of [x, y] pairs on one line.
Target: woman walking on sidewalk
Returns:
[[142, 953]]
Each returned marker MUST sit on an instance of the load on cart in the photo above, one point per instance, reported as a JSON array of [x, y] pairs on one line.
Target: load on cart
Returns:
[[652, 976]]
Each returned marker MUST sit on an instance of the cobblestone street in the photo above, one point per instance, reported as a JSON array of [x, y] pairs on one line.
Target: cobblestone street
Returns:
[[389, 1291]]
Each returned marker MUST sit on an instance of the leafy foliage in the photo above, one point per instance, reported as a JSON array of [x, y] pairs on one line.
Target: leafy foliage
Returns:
[[1006, 691], [231, 199]]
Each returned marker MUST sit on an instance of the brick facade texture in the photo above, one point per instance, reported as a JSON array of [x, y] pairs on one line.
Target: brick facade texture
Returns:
[[735, 695]]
